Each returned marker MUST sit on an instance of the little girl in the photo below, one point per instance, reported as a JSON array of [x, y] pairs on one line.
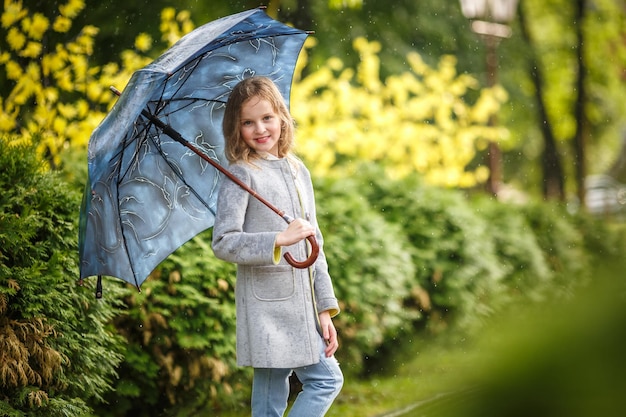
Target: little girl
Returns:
[[284, 314]]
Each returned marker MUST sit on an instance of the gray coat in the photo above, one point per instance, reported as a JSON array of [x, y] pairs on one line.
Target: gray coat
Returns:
[[277, 324]]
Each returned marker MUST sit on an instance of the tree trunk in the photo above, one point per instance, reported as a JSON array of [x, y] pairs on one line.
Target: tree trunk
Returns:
[[582, 125], [553, 181], [618, 169], [494, 154]]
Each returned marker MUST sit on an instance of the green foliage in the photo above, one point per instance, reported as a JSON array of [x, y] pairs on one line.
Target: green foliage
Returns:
[[603, 241], [473, 258], [562, 244], [181, 338], [369, 260], [517, 248], [457, 267], [56, 353], [557, 358]]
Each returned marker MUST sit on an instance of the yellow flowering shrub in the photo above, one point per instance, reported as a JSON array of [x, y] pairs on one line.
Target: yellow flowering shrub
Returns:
[[53, 93], [143, 42], [36, 27], [417, 121], [175, 25]]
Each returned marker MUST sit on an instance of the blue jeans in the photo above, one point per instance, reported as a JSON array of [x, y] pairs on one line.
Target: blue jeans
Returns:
[[321, 383]]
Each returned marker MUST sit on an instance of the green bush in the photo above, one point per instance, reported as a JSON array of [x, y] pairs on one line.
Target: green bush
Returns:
[[603, 240], [370, 262], [563, 246], [180, 331], [455, 258], [57, 354], [517, 248]]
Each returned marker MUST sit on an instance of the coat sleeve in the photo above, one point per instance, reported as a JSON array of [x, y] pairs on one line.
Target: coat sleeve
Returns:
[[323, 287], [230, 241]]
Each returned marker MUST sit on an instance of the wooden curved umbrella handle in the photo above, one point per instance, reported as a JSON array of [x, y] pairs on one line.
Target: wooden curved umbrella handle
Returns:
[[315, 249]]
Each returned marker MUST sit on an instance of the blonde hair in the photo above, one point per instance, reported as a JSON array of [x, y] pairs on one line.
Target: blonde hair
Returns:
[[265, 89]]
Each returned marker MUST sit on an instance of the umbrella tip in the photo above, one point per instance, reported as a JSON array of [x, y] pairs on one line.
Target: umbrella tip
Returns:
[[115, 91], [99, 288]]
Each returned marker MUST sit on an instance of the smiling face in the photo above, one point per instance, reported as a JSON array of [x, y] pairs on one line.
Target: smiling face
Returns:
[[260, 125], [258, 94]]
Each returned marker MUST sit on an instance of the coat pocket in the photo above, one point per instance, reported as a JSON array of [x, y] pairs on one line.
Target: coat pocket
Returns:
[[273, 283]]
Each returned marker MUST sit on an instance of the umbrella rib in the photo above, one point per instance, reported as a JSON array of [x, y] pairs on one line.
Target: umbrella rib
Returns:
[[178, 174], [186, 73], [140, 135], [124, 240], [192, 101]]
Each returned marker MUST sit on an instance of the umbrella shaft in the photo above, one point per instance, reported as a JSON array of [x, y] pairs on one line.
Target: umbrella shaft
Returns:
[[171, 132]]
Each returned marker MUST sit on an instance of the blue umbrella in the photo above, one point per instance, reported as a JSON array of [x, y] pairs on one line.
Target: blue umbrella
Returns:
[[147, 194]]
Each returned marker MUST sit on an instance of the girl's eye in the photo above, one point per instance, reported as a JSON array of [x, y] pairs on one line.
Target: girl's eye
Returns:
[[246, 123]]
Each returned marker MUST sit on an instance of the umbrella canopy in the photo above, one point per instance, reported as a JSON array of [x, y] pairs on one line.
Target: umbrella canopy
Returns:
[[146, 194]]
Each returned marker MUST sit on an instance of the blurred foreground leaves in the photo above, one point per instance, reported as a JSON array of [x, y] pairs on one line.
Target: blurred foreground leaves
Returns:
[[560, 358]]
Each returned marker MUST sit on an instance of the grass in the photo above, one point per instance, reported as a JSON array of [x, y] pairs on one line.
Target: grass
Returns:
[[432, 369]]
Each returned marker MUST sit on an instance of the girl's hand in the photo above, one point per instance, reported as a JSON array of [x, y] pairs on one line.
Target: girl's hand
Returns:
[[329, 333], [296, 231]]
